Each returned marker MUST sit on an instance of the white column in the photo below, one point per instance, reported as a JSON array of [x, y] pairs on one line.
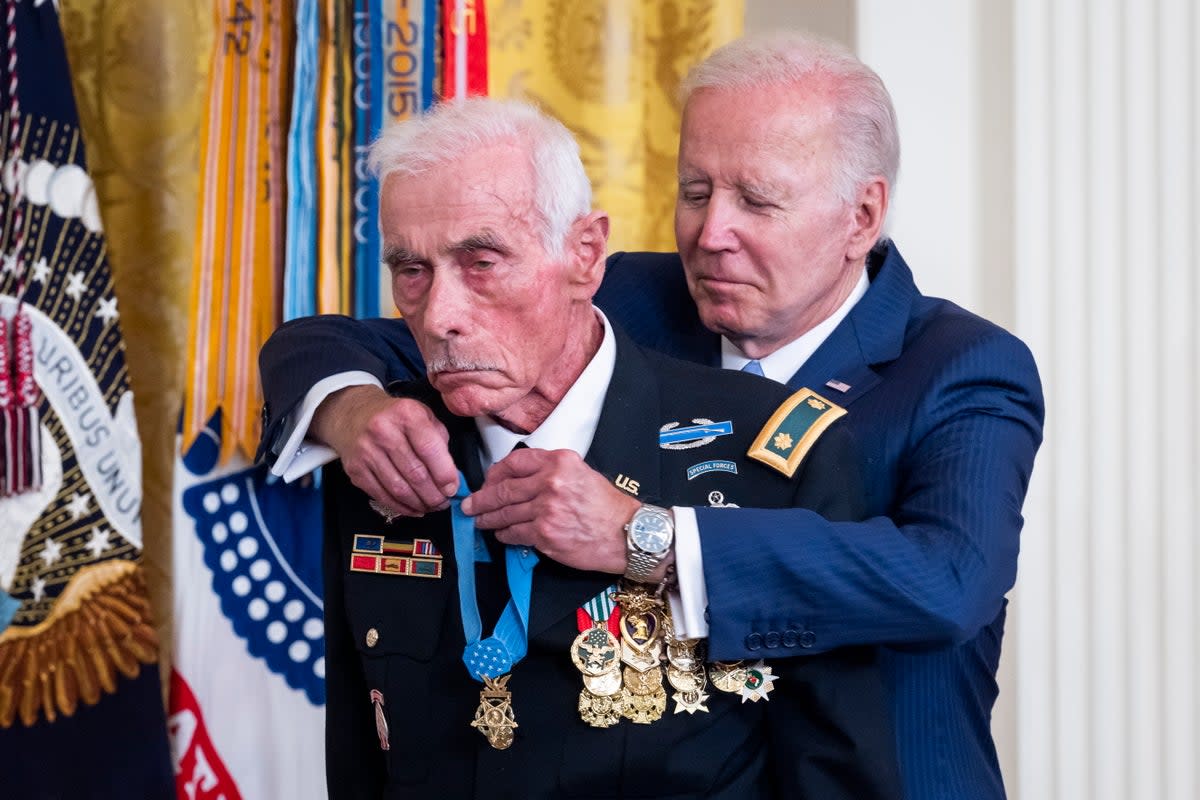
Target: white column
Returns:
[[1065, 138]]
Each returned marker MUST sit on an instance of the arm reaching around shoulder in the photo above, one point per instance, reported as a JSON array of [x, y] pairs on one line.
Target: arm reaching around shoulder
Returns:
[[551, 500], [394, 449]]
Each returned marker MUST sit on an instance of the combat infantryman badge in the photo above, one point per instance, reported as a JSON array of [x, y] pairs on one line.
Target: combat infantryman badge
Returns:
[[494, 718], [704, 431]]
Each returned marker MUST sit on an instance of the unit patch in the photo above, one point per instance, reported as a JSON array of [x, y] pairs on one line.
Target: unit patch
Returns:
[[793, 429], [705, 467], [702, 432]]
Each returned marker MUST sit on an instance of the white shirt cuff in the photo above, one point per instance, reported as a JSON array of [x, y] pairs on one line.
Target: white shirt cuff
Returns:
[[299, 455], [690, 602]]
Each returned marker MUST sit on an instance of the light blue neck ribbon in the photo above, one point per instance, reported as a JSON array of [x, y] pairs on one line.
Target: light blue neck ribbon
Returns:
[[495, 655]]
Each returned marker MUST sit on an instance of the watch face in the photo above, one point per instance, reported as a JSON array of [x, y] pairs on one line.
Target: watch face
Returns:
[[651, 532]]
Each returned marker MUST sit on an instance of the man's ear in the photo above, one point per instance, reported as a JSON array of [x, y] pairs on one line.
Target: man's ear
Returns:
[[588, 247], [870, 210]]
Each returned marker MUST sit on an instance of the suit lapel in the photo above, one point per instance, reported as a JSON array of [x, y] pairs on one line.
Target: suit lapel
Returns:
[[625, 444], [872, 333]]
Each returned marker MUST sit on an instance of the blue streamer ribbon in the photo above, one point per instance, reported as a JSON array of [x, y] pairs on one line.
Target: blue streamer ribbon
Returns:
[[495, 655]]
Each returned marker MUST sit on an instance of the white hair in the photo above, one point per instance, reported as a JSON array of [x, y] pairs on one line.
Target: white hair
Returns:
[[452, 130], [868, 142]]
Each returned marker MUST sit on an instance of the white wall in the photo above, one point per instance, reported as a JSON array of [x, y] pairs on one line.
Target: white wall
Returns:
[[1050, 180]]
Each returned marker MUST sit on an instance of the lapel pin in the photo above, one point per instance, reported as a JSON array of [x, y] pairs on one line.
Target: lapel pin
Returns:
[[836, 384]]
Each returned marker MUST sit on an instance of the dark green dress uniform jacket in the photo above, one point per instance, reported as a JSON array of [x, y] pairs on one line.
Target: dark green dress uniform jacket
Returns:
[[824, 733]]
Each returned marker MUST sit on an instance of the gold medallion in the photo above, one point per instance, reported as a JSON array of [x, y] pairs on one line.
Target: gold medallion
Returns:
[[603, 685], [644, 709], [642, 660], [596, 651], [599, 711], [728, 676], [494, 717], [686, 680], [686, 654], [642, 683], [691, 702]]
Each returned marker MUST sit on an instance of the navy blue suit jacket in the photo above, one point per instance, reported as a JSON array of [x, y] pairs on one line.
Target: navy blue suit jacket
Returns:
[[948, 410]]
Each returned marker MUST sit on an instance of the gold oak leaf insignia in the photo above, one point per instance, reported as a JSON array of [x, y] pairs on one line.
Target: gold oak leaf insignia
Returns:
[[782, 441], [817, 404]]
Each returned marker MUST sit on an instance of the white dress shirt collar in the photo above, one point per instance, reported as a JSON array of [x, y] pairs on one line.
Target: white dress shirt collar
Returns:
[[781, 365]]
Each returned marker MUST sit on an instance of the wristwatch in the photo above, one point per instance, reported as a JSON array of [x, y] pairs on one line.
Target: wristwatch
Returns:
[[648, 539]]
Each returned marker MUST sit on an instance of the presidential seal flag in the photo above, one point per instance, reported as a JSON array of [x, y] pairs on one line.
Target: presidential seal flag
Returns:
[[81, 710]]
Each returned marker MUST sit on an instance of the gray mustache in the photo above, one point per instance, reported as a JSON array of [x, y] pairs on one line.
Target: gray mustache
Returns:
[[456, 364]]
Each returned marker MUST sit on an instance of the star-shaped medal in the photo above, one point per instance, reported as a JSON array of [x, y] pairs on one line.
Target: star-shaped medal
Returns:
[[758, 683]]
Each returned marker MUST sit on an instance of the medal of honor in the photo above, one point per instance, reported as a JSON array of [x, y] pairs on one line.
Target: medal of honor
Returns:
[[494, 718], [489, 660]]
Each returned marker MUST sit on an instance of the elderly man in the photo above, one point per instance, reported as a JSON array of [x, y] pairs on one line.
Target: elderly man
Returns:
[[459, 667], [788, 156]]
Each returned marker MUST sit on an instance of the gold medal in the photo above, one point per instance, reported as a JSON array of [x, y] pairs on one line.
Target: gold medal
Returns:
[[494, 717], [644, 709], [604, 685], [596, 651], [691, 702], [728, 676], [685, 654], [601, 711], [643, 683], [686, 680], [642, 660]]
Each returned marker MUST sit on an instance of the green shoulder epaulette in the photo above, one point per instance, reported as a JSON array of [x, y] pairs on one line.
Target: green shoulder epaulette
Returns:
[[793, 429]]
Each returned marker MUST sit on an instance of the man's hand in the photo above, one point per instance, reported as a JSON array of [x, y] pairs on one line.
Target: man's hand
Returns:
[[551, 500], [394, 449]]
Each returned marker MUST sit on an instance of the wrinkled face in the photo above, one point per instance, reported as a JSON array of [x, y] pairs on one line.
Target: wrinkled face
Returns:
[[487, 305], [762, 234]]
